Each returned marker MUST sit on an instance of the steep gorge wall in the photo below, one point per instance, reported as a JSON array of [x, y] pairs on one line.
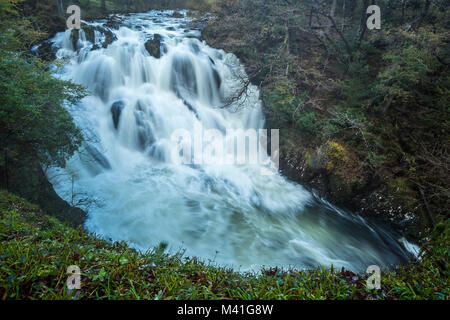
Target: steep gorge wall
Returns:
[[326, 166]]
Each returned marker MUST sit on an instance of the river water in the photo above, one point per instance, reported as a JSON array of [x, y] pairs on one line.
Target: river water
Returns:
[[124, 176]]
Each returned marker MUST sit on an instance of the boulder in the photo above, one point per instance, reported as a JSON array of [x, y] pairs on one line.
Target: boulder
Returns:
[[113, 22], [109, 37], [97, 156], [217, 78], [74, 37], [177, 15], [116, 110], [194, 47], [153, 46], [183, 80], [144, 132], [89, 31], [90, 35]]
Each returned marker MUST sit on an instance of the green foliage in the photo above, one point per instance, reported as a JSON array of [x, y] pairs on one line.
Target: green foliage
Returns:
[[33, 123], [246, 53], [279, 30], [408, 68], [32, 119], [143, 5], [37, 249], [307, 122], [356, 90], [287, 107], [374, 160], [16, 31]]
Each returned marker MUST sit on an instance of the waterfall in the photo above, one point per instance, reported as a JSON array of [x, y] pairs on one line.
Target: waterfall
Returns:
[[124, 178]]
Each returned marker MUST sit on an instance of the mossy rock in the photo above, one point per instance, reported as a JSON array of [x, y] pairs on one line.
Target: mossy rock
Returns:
[[30, 182]]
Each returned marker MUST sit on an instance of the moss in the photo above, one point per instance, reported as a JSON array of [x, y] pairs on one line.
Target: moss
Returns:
[[307, 122], [37, 249], [336, 155]]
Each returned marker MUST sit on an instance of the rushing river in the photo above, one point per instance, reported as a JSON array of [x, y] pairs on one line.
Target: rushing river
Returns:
[[124, 178]]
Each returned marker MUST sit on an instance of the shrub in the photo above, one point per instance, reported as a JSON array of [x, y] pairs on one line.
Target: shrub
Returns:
[[308, 122]]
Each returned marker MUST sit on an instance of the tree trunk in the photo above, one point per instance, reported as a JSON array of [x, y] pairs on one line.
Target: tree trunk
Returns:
[[343, 15], [403, 11], [6, 170], [332, 11], [427, 208], [333, 8], [424, 13], [59, 5], [363, 24], [311, 16], [286, 40]]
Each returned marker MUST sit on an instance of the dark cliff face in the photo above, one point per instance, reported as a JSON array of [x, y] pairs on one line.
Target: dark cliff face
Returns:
[[47, 15], [28, 180], [332, 168]]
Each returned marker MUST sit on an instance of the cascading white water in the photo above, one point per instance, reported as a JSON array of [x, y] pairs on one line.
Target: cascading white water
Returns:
[[231, 214]]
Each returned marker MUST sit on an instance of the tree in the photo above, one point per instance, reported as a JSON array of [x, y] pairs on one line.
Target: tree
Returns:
[[33, 122], [34, 126]]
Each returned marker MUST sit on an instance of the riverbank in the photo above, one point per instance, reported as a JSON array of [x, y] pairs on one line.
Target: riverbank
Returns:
[[37, 249], [336, 136], [322, 183]]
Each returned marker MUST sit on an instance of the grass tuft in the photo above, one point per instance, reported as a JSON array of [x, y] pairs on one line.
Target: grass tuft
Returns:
[[37, 249]]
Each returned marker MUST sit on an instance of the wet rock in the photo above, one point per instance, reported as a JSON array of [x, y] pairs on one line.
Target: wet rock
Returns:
[[177, 15], [144, 132], [47, 51], [97, 156], [90, 35], [217, 78], [89, 31], [194, 47], [199, 24], [191, 108], [164, 48], [29, 181], [116, 110], [183, 79], [140, 106], [74, 37], [109, 38], [153, 46], [113, 23]]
